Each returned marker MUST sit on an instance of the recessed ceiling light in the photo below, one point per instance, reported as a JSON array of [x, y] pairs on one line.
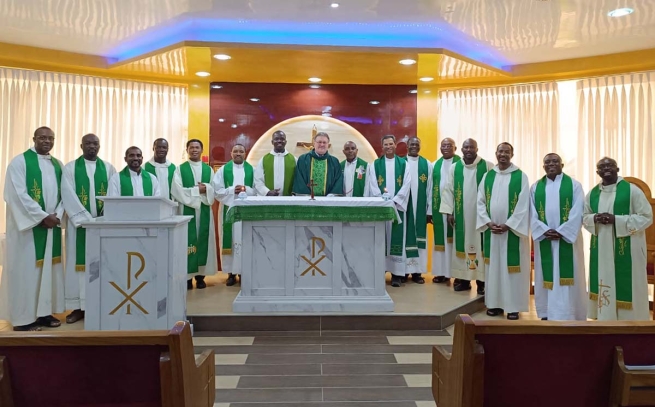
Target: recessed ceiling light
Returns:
[[234, 126], [407, 61], [413, 91], [334, 5], [221, 120], [620, 12], [202, 73], [195, 86], [217, 87], [254, 100], [222, 57], [315, 79], [374, 102], [427, 91], [426, 79], [315, 86]]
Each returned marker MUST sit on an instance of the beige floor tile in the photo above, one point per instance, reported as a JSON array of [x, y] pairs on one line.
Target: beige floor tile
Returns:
[[422, 404], [418, 380], [221, 404], [222, 341], [236, 359], [413, 358], [420, 340], [227, 382]]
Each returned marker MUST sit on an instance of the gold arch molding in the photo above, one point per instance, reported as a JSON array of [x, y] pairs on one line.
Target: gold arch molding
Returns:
[[299, 132]]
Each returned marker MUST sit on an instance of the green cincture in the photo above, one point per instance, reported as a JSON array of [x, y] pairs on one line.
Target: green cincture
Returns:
[[198, 240], [126, 183], [269, 172], [359, 184], [458, 200], [82, 188], [622, 249], [565, 255], [513, 241], [34, 183], [171, 170], [228, 178], [438, 224]]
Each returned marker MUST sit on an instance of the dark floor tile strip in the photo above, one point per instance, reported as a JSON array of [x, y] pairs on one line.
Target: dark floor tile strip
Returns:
[[266, 359], [376, 369], [346, 340], [357, 381], [268, 396], [263, 349], [378, 394], [358, 349], [380, 322], [331, 404], [236, 322], [268, 370], [383, 333], [202, 334]]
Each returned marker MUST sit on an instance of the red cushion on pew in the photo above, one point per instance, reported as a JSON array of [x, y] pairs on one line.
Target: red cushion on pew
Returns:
[[650, 269]]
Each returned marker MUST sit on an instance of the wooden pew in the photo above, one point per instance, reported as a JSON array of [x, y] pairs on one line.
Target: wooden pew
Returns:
[[535, 363], [105, 369]]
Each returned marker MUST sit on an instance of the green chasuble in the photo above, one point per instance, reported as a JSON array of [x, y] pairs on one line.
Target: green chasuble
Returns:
[[269, 172], [408, 227], [438, 224], [34, 184], [359, 181], [198, 240], [228, 180], [153, 170], [324, 170]]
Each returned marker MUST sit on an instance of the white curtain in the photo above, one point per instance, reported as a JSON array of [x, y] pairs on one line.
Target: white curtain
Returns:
[[616, 115], [526, 116], [120, 113]]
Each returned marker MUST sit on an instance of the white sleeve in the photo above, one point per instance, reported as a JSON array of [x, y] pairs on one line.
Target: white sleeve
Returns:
[[447, 195], [76, 212], [570, 230], [371, 181], [156, 191], [26, 212], [259, 181], [402, 197], [640, 218]]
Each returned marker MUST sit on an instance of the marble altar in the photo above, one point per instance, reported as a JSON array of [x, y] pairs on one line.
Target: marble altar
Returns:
[[136, 265], [299, 255]]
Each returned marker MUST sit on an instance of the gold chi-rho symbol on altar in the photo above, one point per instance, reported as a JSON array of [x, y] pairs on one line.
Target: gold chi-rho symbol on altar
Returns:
[[313, 264], [128, 297]]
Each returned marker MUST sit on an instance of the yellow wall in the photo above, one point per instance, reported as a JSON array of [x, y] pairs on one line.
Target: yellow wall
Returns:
[[199, 114]]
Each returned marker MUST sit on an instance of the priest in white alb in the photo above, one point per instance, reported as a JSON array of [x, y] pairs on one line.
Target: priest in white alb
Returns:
[[389, 176], [84, 179], [442, 231], [32, 286], [560, 284], [133, 180], [504, 217], [274, 172], [617, 214], [459, 204], [161, 167], [233, 178], [192, 188]]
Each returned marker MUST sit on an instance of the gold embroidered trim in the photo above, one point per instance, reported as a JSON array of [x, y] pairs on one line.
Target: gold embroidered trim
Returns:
[[80, 268], [460, 255], [593, 296], [226, 251], [449, 239], [548, 285], [439, 248], [624, 305], [514, 269], [566, 281]]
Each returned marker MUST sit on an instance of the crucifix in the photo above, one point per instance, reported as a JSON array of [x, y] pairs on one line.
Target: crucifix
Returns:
[[311, 186]]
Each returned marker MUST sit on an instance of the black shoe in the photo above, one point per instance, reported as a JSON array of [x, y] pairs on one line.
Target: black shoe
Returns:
[[189, 284], [404, 279], [480, 285], [396, 281], [544, 319], [200, 282], [464, 285], [440, 279], [418, 278], [494, 312], [231, 280], [513, 316]]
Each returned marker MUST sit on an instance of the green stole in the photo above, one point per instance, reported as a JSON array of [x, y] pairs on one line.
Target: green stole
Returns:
[[126, 183], [269, 172], [545, 246], [198, 245], [396, 249], [458, 198], [438, 224], [171, 170], [82, 188], [359, 184], [318, 172], [228, 179], [622, 249], [420, 217], [34, 184], [513, 241]]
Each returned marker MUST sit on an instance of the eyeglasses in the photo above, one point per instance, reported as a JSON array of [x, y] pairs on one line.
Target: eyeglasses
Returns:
[[45, 138]]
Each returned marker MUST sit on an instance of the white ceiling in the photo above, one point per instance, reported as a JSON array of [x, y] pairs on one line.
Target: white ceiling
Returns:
[[498, 32]]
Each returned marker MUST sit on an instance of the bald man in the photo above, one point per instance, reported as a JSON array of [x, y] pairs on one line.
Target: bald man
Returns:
[[354, 172]]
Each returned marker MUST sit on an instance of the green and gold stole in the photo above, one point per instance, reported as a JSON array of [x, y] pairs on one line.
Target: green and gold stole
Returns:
[[269, 172], [622, 250], [545, 246], [126, 183], [34, 183], [171, 170], [458, 200], [422, 204], [198, 239], [82, 188], [318, 172], [513, 241], [228, 179], [396, 247], [438, 224], [359, 184]]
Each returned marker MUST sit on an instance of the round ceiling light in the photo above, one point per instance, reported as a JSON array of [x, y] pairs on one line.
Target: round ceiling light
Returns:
[[222, 57], [620, 12], [202, 74], [234, 126], [217, 87], [315, 86], [407, 61], [334, 5], [413, 91], [426, 79], [254, 100], [374, 102], [221, 120], [314, 79]]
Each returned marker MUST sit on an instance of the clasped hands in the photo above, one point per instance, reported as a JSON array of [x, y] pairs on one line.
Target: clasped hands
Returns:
[[50, 221], [239, 189], [497, 229], [604, 218]]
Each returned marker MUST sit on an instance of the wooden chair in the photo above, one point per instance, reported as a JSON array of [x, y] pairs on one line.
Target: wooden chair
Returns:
[[105, 369], [650, 232]]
